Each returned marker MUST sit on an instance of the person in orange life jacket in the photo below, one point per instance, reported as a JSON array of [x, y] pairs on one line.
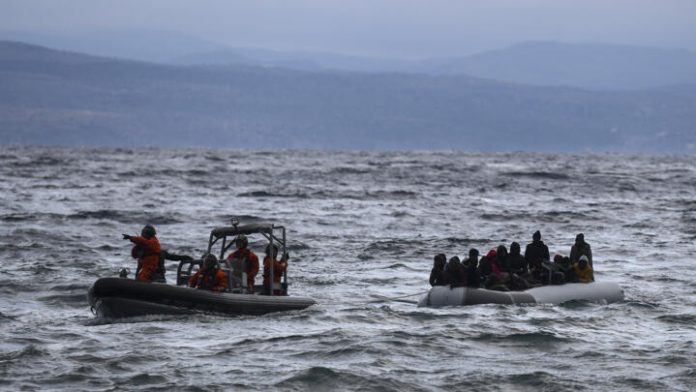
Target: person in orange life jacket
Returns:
[[147, 251], [209, 276], [279, 268], [243, 260]]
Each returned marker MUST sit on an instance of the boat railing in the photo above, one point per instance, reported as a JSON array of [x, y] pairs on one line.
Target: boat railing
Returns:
[[185, 270]]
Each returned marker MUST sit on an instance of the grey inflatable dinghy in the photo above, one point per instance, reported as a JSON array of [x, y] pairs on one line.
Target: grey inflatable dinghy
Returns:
[[440, 296]]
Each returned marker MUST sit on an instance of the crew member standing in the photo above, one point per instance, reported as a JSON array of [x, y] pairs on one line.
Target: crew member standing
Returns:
[[279, 268], [243, 260], [147, 251]]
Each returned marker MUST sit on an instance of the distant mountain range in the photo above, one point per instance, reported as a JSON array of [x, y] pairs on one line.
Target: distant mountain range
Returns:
[[587, 66], [62, 98]]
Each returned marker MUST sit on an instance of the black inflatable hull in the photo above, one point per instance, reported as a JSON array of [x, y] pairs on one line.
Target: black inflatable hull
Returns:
[[117, 298]]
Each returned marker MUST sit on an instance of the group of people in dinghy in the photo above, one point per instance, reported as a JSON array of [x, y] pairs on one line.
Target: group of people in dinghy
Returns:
[[504, 271]]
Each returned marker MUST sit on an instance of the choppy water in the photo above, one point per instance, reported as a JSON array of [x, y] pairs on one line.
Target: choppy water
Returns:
[[361, 225]]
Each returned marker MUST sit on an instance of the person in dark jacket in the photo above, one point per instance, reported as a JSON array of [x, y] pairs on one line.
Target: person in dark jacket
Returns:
[[159, 274], [501, 259], [473, 278], [490, 273], [536, 251], [579, 248], [437, 274], [453, 272], [563, 265], [515, 261]]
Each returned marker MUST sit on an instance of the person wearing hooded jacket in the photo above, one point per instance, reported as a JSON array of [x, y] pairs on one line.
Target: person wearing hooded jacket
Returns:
[[453, 273], [501, 259], [490, 272], [583, 271], [473, 277], [536, 251], [515, 260], [437, 274], [147, 251], [579, 248], [209, 276]]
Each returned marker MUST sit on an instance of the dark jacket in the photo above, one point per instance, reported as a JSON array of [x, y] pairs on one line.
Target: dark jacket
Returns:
[[536, 250], [453, 274], [437, 277], [516, 263], [577, 251], [473, 278]]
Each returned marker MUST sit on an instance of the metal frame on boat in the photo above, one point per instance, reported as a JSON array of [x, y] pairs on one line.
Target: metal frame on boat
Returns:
[[274, 234]]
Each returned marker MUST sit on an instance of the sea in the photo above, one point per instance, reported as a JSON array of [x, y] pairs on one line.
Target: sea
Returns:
[[363, 228]]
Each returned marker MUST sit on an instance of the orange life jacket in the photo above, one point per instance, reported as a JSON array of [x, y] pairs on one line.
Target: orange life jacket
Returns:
[[147, 251]]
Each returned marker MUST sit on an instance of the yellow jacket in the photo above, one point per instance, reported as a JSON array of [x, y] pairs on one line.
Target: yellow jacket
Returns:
[[585, 275]]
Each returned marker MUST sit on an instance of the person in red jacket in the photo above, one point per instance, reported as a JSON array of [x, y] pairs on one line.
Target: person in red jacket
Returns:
[[243, 260], [209, 276], [279, 268], [147, 251]]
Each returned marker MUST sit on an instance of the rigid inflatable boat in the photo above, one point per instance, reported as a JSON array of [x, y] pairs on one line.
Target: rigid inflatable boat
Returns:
[[117, 297], [440, 296], [123, 297]]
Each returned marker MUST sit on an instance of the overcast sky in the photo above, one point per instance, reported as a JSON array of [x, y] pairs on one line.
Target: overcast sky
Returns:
[[388, 28]]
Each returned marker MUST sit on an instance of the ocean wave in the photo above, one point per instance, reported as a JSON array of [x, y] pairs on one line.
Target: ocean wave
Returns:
[[324, 378], [523, 338], [256, 194], [75, 299], [30, 351], [682, 318], [537, 175], [125, 216]]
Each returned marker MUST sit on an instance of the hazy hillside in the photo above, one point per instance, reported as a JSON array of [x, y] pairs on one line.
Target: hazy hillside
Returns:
[[53, 97], [144, 45], [589, 66], [592, 66]]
